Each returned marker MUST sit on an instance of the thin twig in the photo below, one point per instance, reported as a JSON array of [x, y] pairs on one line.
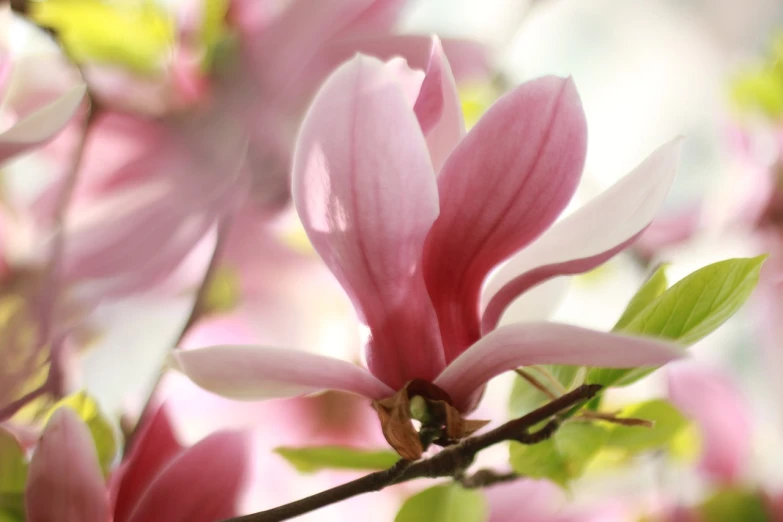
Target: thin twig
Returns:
[[556, 384], [47, 294], [451, 462], [52, 276], [614, 419], [486, 477], [536, 383], [223, 228], [10, 409]]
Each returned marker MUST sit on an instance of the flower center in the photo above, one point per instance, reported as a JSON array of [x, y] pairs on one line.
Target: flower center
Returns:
[[440, 423]]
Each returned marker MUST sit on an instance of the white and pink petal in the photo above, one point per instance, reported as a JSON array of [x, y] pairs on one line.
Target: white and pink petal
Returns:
[[590, 236], [502, 186], [365, 190], [255, 373], [518, 345], [438, 108]]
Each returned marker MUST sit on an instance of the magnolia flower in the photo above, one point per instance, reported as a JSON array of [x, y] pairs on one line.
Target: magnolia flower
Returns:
[[38, 94], [412, 215], [712, 400], [158, 481]]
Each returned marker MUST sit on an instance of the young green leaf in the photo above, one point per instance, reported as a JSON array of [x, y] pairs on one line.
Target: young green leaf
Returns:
[[649, 291], [13, 475], [15, 514], [730, 505], [13, 464], [100, 427], [668, 423], [700, 303], [539, 461], [563, 457], [688, 311], [95, 31], [444, 503], [310, 460], [578, 443]]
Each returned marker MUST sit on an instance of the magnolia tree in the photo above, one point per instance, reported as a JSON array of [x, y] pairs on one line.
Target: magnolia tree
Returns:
[[173, 141]]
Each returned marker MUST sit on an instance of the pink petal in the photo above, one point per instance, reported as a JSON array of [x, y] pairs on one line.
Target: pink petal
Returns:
[[114, 140], [669, 230], [212, 330], [438, 108], [512, 346], [42, 125], [712, 400], [253, 373], [469, 60], [542, 500], [590, 236], [202, 484], [135, 238], [155, 447], [379, 15], [365, 190], [503, 185], [157, 206], [276, 57], [64, 482], [6, 62]]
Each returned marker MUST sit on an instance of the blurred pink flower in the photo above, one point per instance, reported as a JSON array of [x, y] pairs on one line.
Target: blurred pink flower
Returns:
[[411, 215], [233, 137], [668, 231], [40, 93], [543, 501], [158, 480], [712, 400]]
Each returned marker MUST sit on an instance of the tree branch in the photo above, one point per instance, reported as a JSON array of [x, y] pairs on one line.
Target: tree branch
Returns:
[[486, 477], [450, 462]]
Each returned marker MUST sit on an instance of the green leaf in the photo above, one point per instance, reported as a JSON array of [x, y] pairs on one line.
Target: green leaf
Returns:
[[13, 464], [9, 516], [213, 28], [99, 426], [578, 443], [538, 461], [13, 477], [668, 423], [525, 397], [444, 503], [729, 505], [650, 290], [138, 35], [309, 460], [12, 506], [688, 311], [564, 456], [760, 90], [701, 302]]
